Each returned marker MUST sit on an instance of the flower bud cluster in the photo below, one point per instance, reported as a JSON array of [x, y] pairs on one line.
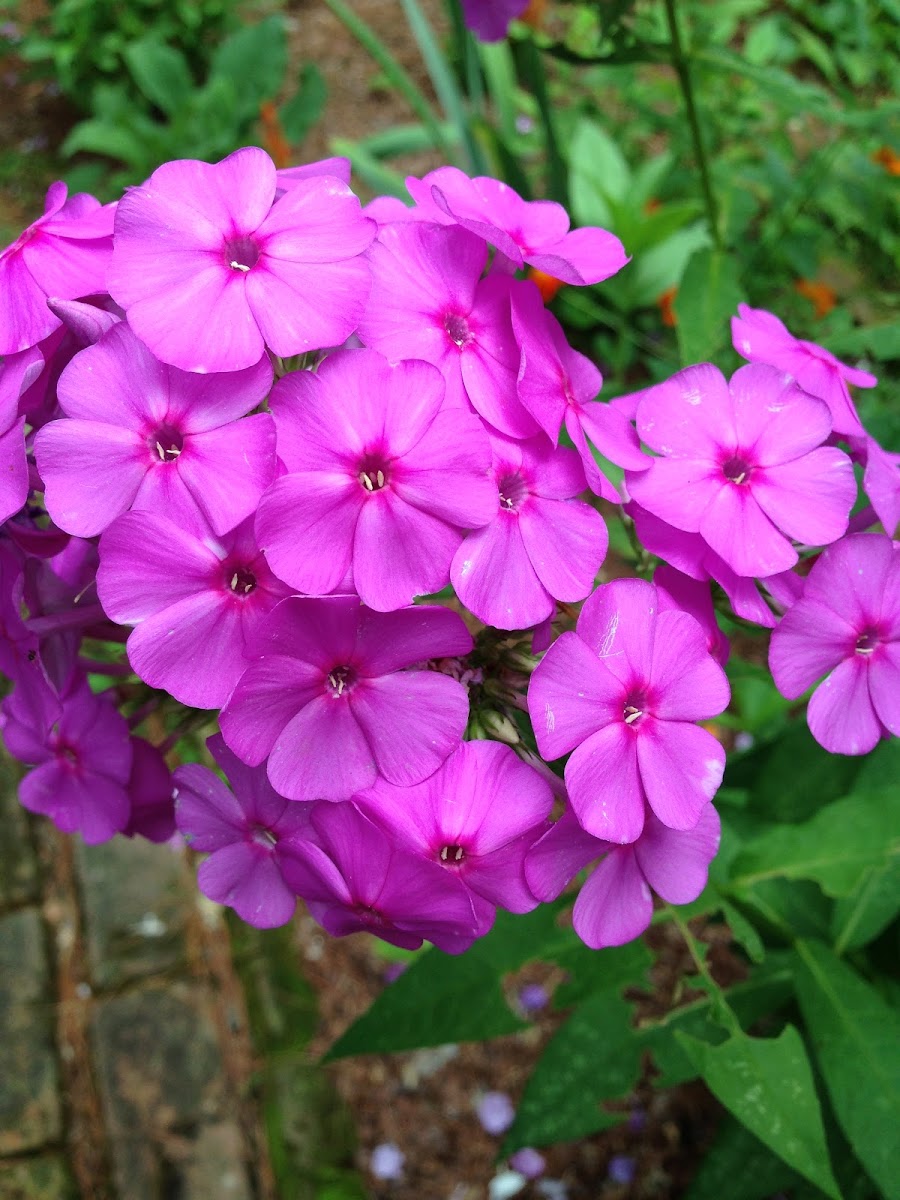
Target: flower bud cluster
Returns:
[[247, 426]]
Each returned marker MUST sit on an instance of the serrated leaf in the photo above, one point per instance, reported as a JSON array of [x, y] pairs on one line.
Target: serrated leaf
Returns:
[[856, 1037], [708, 295], [161, 73], [835, 849], [767, 1083]]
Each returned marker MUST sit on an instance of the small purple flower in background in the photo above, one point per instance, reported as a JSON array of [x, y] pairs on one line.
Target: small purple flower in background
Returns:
[[333, 704], [621, 1169], [247, 834], [211, 269], [623, 692], [354, 878], [542, 545], [528, 1162], [386, 1162], [140, 434], [761, 337], [381, 480], [743, 465], [495, 1112], [535, 232], [533, 997], [846, 624], [64, 253], [489, 19], [195, 601]]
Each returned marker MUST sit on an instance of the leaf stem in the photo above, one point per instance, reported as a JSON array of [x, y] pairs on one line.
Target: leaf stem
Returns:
[[681, 63]]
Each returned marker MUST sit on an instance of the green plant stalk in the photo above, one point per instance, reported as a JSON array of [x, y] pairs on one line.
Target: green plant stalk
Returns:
[[397, 76], [681, 63], [717, 996], [532, 66]]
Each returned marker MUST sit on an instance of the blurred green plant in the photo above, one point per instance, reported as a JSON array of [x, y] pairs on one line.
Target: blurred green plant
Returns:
[[179, 119], [80, 44]]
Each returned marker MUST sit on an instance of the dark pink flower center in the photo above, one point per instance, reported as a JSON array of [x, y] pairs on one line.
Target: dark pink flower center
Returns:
[[241, 253], [452, 855], [165, 444], [513, 491], [339, 681], [242, 581], [867, 642], [458, 330], [263, 837], [736, 469], [373, 472], [68, 754]]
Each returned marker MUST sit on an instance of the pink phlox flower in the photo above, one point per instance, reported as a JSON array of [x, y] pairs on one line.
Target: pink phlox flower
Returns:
[[476, 817], [61, 595], [150, 791], [338, 167], [17, 374], [689, 554], [248, 833], [86, 322], [81, 752], [382, 479], [489, 19], [196, 602], [332, 701], [760, 337], [19, 645], [140, 434], [429, 301], [64, 253], [881, 479], [742, 464], [845, 626], [679, 591], [542, 545], [354, 877], [615, 905], [211, 270], [623, 692], [535, 232], [558, 385]]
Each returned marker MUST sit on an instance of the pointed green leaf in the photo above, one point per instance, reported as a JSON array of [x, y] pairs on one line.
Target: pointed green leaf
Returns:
[[303, 109], [768, 1085], [836, 848], [255, 60], [856, 1037], [161, 73], [740, 1167], [869, 909], [708, 295]]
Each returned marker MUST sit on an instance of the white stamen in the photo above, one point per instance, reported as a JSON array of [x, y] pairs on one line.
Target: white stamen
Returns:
[[366, 482], [236, 266], [234, 582], [632, 714], [740, 478], [160, 452], [459, 853], [445, 853], [379, 477]]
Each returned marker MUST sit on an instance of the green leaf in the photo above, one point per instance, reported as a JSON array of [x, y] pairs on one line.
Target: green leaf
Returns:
[[444, 998], [835, 849], [303, 109], [856, 1037], [161, 73], [708, 295], [875, 901], [255, 60], [598, 174], [768, 1085], [595, 1056], [663, 265], [740, 1167], [796, 776]]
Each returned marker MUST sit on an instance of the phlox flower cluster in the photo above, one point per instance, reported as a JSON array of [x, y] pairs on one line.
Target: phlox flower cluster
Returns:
[[332, 479]]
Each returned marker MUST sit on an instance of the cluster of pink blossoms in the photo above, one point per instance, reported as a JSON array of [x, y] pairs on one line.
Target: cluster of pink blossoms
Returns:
[[248, 426]]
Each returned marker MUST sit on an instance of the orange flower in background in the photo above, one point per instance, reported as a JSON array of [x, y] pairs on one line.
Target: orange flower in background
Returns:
[[666, 306], [547, 285], [889, 159], [822, 296], [273, 138], [534, 13]]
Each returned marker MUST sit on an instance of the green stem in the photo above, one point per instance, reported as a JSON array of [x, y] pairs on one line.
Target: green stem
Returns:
[[716, 995], [681, 64]]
